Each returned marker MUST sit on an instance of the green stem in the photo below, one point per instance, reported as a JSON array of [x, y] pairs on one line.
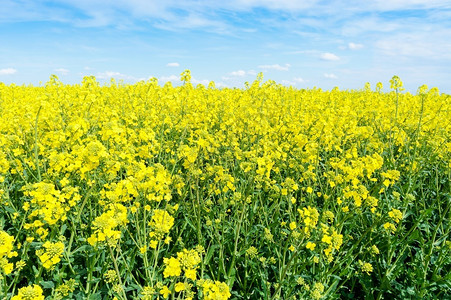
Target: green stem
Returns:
[[117, 269], [235, 248]]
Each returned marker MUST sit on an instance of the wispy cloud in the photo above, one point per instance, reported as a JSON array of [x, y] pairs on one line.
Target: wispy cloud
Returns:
[[108, 74], [236, 77], [383, 5], [169, 78], [330, 76], [237, 35], [294, 81], [329, 56], [62, 71], [276, 67], [173, 64], [115, 75], [419, 45], [200, 81], [284, 5], [221, 85], [354, 46], [239, 73], [8, 71]]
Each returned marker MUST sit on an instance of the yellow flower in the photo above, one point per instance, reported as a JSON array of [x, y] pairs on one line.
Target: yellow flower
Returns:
[[165, 291], [300, 280], [390, 227], [153, 244], [395, 215], [190, 274], [106, 225], [252, 252], [327, 239], [52, 254], [366, 267], [6, 244], [173, 267], [179, 286], [6, 266], [317, 290], [189, 258], [110, 276], [162, 221], [66, 288], [310, 246], [147, 293], [215, 290], [29, 293], [374, 250]]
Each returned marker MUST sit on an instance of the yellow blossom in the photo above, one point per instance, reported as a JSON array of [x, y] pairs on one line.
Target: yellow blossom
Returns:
[[33, 292], [173, 267], [51, 255], [310, 246]]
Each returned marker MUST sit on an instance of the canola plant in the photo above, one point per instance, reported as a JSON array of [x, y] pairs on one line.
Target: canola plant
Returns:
[[143, 191]]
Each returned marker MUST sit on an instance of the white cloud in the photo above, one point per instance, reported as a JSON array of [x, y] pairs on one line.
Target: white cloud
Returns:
[[329, 56], [287, 82], [417, 45], [286, 5], [173, 64], [115, 75], [330, 76], [175, 79], [410, 34], [276, 67], [108, 74], [170, 78], [221, 85], [237, 76], [7, 71], [294, 81], [190, 20], [239, 73], [354, 46], [384, 5], [202, 81], [206, 14], [62, 71]]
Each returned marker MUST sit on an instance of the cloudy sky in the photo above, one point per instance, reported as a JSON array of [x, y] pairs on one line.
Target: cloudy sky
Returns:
[[307, 43]]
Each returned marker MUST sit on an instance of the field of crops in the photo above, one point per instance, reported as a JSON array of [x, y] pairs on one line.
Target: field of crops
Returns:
[[145, 191]]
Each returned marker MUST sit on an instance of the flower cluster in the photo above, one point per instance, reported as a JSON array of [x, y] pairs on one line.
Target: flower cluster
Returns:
[[33, 292], [153, 191], [215, 290], [6, 251], [51, 255], [106, 226], [186, 260]]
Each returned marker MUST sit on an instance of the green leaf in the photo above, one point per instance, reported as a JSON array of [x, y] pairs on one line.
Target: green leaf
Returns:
[[47, 284], [209, 254]]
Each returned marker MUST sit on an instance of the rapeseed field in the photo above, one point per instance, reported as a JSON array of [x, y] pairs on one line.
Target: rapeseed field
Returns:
[[144, 191]]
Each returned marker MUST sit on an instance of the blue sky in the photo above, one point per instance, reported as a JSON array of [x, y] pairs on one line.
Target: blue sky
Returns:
[[302, 43]]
